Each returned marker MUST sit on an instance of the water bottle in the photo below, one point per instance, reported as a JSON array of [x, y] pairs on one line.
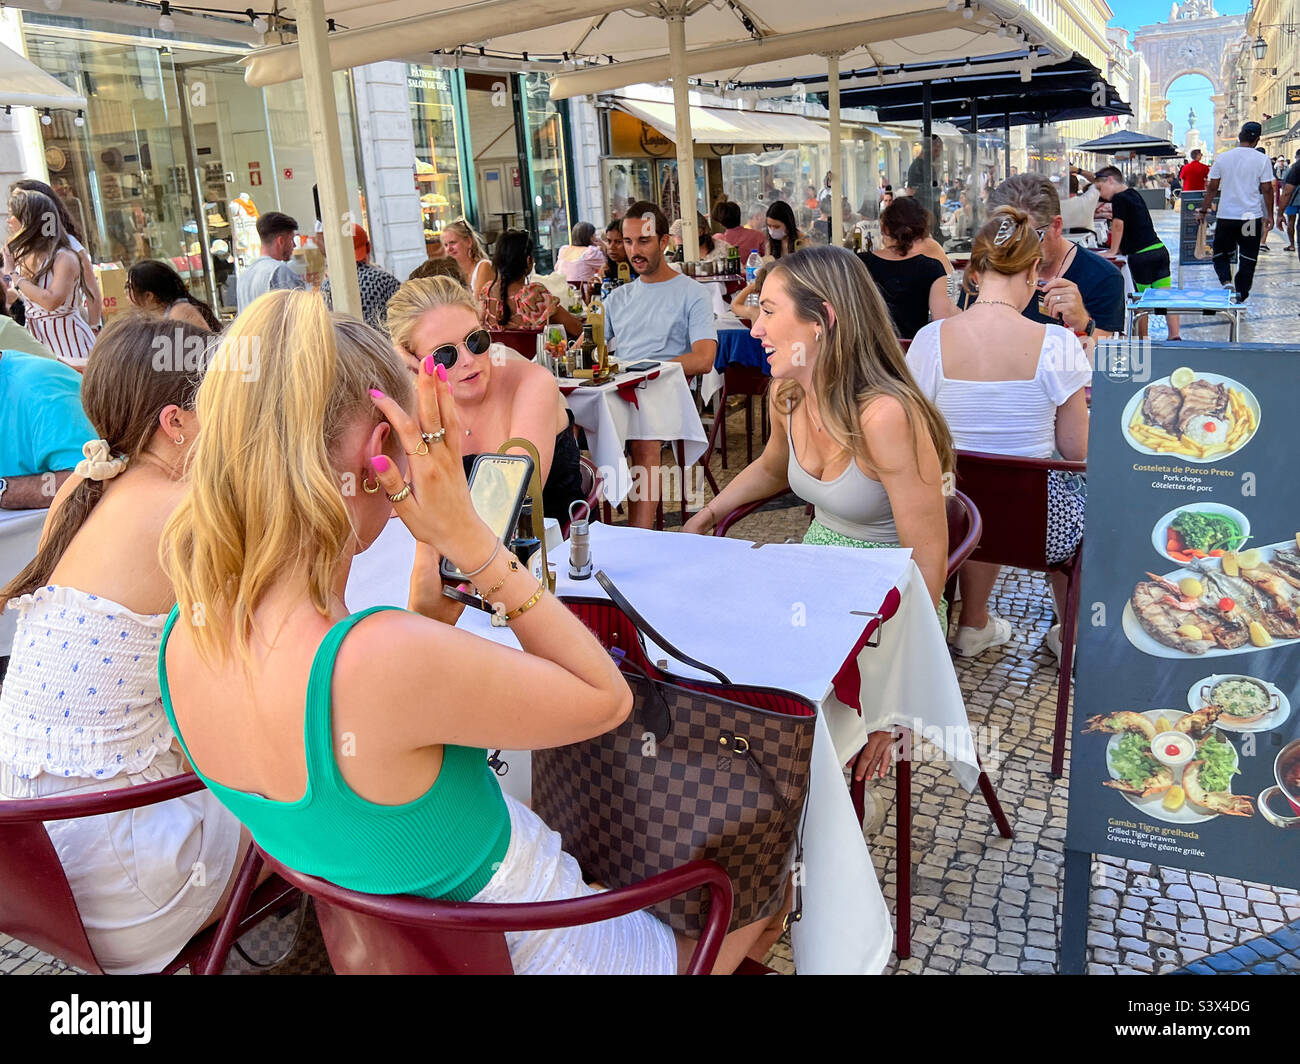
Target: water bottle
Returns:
[[752, 265]]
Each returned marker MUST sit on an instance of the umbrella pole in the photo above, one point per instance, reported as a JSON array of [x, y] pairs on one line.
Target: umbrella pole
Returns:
[[1006, 143], [327, 153], [836, 167], [685, 148]]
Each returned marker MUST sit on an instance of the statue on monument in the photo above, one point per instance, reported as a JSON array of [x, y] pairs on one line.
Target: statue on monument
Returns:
[[1193, 9]]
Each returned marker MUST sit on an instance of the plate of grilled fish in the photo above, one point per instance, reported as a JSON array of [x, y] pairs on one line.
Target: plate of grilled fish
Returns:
[[1240, 602], [1172, 765], [1202, 417]]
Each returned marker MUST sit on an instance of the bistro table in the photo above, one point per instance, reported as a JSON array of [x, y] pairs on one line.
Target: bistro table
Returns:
[[653, 404], [735, 347], [786, 616], [1208, 302], [20, 533]]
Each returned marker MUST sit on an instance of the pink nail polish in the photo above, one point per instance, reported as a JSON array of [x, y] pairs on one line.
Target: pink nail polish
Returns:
[[375, 393], [442, 373], [430, 365], [380, 463]]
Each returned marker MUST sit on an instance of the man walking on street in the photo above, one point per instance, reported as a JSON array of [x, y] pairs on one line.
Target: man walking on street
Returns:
[[1243, 181], [271, 269], [1291, 200], [1194, 173]]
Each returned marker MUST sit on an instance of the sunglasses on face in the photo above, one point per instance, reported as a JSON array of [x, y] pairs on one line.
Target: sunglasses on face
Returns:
[[476, 343]]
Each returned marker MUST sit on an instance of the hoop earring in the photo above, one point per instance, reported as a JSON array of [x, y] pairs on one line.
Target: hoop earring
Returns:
[[365, 486], [181, 441]]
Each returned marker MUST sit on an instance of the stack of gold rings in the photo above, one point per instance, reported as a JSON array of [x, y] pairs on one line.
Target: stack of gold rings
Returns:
[[426, 438]]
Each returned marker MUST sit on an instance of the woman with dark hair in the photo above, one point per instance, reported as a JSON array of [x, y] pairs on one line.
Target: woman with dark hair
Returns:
[[40, 264], [582, 259], [79, 709], [914, 285], [510, 301], [156, 288], [89, 282], [783, 236], [712, 247]]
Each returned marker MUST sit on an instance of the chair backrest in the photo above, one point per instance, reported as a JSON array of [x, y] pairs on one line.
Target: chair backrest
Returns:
[[745, 380], [36, 903], [741, 512], [1011, 496], [965, 526], [592, 483], [522, 340], [380, 934]]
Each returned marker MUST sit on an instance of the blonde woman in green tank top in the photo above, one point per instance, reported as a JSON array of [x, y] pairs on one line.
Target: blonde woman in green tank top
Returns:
[[353, 745]]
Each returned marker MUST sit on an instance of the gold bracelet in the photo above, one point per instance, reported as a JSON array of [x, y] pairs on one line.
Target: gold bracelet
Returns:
[[514, 568], [536, 598]]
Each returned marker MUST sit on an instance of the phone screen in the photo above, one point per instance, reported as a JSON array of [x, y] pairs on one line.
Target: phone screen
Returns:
[[497, 486]]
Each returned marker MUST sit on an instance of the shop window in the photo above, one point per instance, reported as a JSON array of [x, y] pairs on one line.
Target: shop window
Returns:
[[437, 151]]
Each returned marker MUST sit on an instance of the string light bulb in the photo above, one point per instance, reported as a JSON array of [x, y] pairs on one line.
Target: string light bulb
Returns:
[[259, 23], [1002, 29], [968, 12], [952, 5], [165, 21], [80, 120], [46, 117]]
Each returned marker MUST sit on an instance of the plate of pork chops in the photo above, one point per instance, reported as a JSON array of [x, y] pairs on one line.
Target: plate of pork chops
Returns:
[[1200, 417]]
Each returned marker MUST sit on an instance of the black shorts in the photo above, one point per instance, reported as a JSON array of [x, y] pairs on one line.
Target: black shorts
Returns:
[[1149, 267]]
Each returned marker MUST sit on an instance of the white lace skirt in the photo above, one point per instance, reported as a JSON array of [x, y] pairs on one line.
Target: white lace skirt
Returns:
[[536, 868], [145, 880]]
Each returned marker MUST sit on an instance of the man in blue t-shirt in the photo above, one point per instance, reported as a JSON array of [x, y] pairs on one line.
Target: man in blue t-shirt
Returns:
[[1082, 290], [662, 316], [43, 431]]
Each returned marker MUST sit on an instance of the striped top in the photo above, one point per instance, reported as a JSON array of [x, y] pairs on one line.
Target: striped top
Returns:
[[445, 844], [1003, 417], [63, 330]]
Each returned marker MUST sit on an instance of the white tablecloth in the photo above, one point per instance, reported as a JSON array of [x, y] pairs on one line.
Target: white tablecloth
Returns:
[[20, 532], [780, 616], [665, 410]]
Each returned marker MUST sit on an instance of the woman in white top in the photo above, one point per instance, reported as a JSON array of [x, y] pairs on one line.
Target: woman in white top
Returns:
[[93, 309], [40, 264], [1020, 395], [80, 709], [465, 246]]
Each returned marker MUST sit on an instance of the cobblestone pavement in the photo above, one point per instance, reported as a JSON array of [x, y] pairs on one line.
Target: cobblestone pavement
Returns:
[[985, 904]]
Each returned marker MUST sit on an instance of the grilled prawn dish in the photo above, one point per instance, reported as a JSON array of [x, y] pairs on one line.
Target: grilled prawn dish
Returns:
[[1212, 801], [1123, 721]]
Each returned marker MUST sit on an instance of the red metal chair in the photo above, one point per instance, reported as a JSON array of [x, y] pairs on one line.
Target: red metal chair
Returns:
[[36, 902], [1011, 493], [522, 340], [965, 527], [381, 934], [592, 486], [751, 383]]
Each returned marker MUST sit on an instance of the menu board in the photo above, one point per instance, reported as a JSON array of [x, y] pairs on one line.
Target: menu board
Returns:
[[1186, 734], [1189, 225]]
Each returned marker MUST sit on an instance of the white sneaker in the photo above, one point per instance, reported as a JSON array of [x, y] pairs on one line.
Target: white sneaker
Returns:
[[1053, 640], [970, 642]]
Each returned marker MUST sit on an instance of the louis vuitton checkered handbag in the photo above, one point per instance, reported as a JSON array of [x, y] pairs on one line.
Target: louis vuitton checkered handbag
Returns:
[[698, 770]]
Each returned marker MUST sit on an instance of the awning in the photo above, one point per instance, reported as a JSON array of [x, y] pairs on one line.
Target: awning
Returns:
[[1293, 132], [721, 125], [24, 84]]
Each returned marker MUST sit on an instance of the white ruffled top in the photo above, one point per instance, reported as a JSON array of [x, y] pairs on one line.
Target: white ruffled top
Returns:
[[81, 696]]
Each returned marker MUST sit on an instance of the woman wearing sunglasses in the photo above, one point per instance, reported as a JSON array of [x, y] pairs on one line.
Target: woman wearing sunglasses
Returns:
[[500, 394]]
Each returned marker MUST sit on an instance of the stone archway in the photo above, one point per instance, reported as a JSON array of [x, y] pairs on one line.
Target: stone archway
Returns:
[[1194, 40]]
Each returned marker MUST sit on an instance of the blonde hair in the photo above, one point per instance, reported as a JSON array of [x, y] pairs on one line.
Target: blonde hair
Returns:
[[416, 297], [467, 233], [860, 357], [1007, 244], [264, 494]]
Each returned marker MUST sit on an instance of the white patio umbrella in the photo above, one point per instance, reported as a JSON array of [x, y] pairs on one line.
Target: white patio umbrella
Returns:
[[607, 44], [24, 84]]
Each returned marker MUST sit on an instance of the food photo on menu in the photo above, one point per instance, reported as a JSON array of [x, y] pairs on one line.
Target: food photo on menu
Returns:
[[1186, 750]]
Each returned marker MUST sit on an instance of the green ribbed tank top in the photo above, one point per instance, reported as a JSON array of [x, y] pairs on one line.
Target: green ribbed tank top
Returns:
[[444, 844]]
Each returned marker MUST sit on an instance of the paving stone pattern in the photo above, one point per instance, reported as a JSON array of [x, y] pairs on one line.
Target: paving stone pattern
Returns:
[[983, 904]]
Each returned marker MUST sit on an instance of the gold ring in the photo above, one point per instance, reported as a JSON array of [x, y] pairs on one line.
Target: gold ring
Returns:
[[433, 437], [422, 449], [406, 490]]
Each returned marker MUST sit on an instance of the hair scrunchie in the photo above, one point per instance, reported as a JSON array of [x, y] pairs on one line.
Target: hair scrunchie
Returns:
[[99, 463]]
